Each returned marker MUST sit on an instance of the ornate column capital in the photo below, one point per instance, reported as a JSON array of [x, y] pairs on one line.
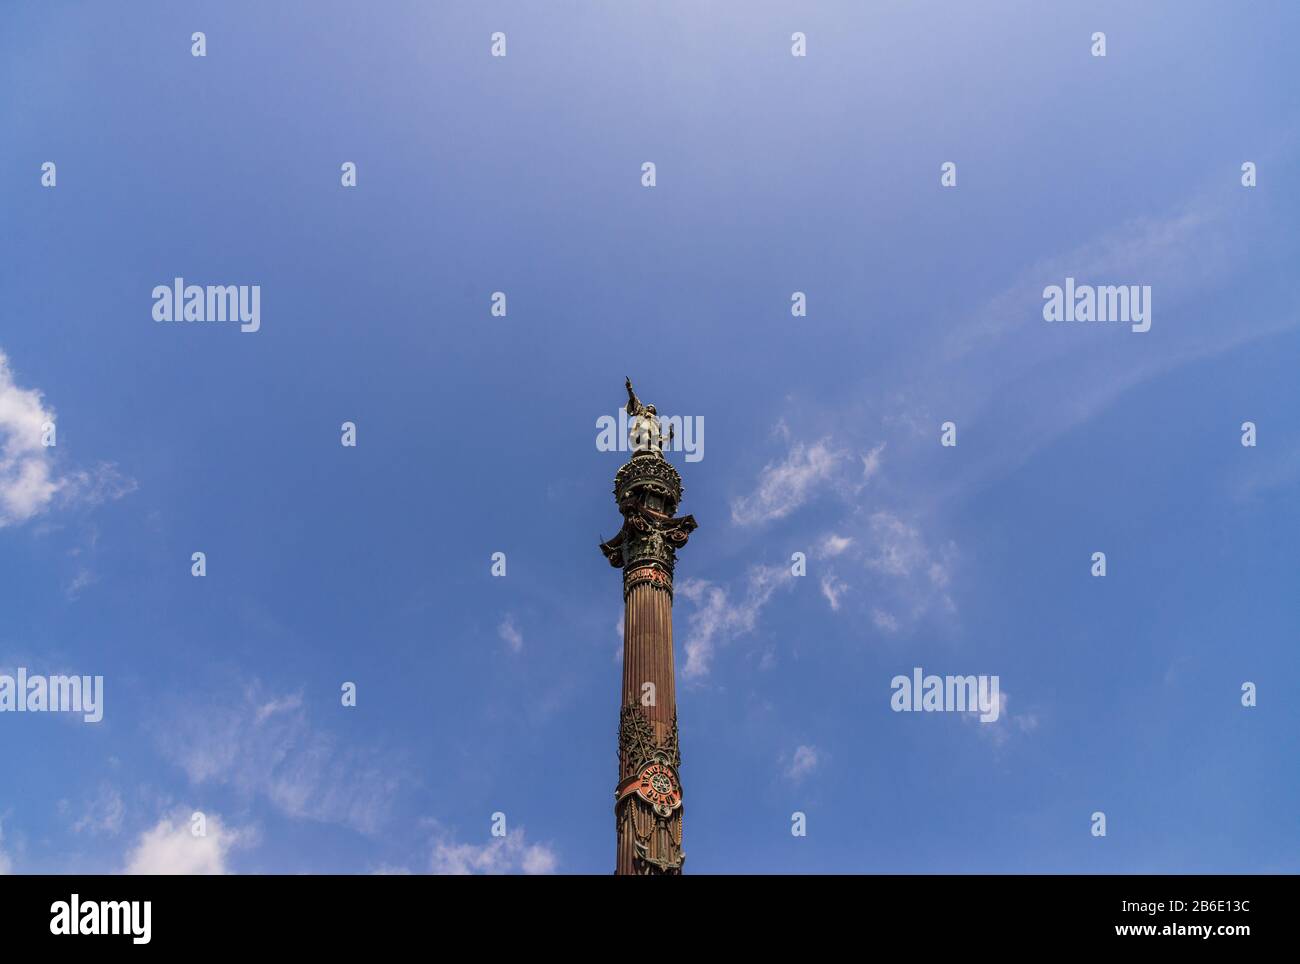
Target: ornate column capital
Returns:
[[648, 489]]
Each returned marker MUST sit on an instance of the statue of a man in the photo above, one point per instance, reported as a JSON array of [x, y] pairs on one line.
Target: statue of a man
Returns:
[[643, 429]]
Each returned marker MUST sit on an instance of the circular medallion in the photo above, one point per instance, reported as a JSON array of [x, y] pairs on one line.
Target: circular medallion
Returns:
[[657, 785]]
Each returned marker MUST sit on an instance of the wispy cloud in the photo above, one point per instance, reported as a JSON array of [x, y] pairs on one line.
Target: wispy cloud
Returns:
[[510, 634], [786, 485], [6, 863], [907, 575], [871, 462], [1265, 469], [715, 619], [84, 578], [999, 731], [884, 620], [265, 746], [833, 589], [103, 483], [1006, 362], [806, 760], [1002, 364], [511, 854], [102, 814]]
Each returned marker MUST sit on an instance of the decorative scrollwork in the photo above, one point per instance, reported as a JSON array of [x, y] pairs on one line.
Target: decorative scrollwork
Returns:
[[670, 744], [636, 738], [656, 831]]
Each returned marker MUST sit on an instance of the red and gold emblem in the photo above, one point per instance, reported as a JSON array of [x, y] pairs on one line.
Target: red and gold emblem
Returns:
[[657, 785]]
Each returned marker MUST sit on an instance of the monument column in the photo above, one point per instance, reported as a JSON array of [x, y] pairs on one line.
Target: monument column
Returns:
[[648, 796]]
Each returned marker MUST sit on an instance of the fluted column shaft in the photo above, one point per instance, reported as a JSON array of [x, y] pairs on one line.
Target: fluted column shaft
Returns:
[[647, 658]]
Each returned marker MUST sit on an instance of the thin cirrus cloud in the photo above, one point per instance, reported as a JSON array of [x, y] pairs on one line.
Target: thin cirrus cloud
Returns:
[[908, 574], [6, 862], [1006, 355], [510, 853], [910, 577], [103, 814], [1050, 378], [805, 761], [267, 747], [510, 634], [715, 618], [999, 731], [885, 550], [1058, 382], [785, 485]]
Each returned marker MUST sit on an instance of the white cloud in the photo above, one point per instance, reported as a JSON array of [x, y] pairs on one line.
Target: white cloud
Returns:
[[510, 634], [716, 620], [510, 854], [266, 746], [786, 485], [170, 847], [806, 760], [28, 482]]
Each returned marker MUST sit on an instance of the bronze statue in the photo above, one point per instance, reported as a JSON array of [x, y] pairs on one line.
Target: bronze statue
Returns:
[[643, 430]]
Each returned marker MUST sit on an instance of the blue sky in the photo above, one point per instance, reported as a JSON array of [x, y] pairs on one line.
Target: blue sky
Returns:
[[476, 434]]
